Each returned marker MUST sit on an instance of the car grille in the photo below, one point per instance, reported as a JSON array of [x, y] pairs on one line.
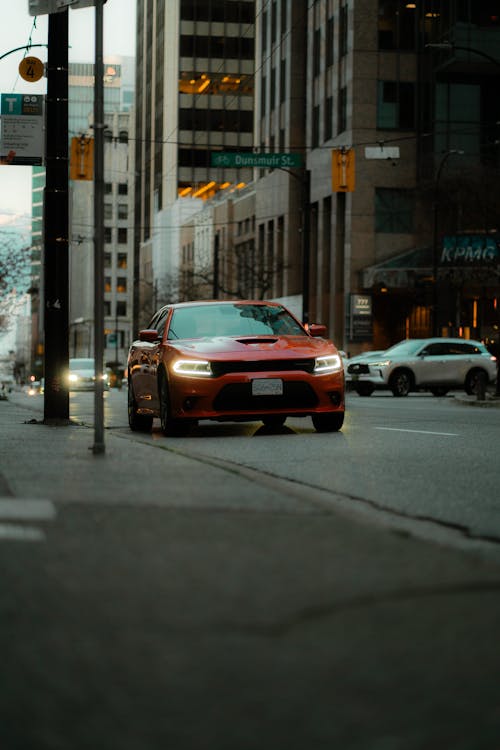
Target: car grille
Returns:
[[358, 369], [238, 397], [264, 365]]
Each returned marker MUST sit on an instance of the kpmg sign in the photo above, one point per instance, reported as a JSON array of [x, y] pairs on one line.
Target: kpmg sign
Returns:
[[470, 251]]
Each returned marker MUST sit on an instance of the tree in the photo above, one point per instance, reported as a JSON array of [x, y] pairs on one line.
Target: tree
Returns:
[[15, 268]]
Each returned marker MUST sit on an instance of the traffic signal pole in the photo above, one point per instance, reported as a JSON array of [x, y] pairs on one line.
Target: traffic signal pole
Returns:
[[56, 225]]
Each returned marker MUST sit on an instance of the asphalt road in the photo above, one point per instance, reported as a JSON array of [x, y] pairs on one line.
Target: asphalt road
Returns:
[[422, 458], [261, 598]]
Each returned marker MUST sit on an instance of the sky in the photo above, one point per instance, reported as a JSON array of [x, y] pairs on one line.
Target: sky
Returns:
[[16, 29]]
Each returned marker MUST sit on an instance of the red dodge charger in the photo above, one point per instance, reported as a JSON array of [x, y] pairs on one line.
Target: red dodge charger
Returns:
[[234, 360]]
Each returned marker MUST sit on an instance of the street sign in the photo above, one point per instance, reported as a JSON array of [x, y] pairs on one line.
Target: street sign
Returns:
[[31, 69], [382, 152], [247, 159], [44, 7], [21, 140]]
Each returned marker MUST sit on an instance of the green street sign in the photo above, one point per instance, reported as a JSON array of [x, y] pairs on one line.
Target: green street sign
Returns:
[[247, 159]]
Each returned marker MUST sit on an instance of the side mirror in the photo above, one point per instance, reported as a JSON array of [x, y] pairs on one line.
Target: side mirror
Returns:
[[149, 334], [315, 329]]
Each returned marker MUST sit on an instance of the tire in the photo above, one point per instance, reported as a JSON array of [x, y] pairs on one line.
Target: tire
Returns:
[[439, 390], [401, 383], [274, 420], [473, 381], [328, 422], [137, 422], [169, 426], [364, 389]]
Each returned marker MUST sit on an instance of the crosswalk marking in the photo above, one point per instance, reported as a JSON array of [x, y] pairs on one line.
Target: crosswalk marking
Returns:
[[24, 509]]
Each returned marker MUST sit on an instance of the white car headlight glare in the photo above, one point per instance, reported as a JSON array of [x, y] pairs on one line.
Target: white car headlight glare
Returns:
[[382, 363], [72, 377], [193, 367], [328, 363]]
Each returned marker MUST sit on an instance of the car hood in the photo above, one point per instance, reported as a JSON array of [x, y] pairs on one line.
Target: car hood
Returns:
[[255, 347]]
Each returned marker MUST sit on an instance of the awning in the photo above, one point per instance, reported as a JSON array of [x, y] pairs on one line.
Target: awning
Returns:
[[401, 271]]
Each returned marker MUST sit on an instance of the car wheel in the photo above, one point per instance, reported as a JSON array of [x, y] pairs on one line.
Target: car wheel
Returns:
[[170, 426], [439, 390], [364, 389], [328, 422], [401, 383], [474, 380], [137, 422], [274, 420]]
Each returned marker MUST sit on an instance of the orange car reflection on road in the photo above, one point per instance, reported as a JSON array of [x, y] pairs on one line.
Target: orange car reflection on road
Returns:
[[232, 361]]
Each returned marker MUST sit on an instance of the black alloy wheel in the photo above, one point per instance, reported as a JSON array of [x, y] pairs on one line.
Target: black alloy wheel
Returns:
[[137, 422], [401, 383], [328, 422], [364, 389], [171, 427]]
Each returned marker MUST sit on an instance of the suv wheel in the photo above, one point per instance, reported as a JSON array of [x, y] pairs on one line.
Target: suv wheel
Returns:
[[401, 382], [474, 380]]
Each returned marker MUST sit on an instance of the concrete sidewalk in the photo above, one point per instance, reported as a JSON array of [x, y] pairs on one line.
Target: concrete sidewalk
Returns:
[[269, 621]]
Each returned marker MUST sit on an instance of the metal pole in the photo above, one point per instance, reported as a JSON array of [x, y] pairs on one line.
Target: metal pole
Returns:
[[306, 187], [56, 224], [215, 286], [98, 446]]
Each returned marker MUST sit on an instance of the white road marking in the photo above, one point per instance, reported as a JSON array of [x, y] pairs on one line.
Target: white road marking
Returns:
[[21, 533], [420, 432], [20, 509]]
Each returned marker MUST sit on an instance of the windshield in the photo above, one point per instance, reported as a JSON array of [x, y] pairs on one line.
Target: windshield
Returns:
[[235, 319], [81, 364]]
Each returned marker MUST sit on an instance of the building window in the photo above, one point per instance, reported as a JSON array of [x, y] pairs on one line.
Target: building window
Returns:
[[122, 235], [121, 308], [329, 57], [282, 81], [107, 284], [107, 260], [343, 28], [458, 117], [122, 211], [121, 261], [315, 127], [108, 235], [396, 105], [328, 118], [396, 24], [121, 284], [316, 52], [122, 188], [342, 110], [393, 211], [107, 307], [108, 211], [108, 188]]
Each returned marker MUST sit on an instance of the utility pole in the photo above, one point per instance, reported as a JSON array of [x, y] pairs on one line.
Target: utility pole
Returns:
[[56, 225], [98, 446]]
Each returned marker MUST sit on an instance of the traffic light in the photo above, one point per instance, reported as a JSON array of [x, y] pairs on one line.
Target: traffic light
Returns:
[[343, 170], [81, 165]]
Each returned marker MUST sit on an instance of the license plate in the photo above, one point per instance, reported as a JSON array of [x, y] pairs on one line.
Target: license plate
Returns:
[[267, 387]]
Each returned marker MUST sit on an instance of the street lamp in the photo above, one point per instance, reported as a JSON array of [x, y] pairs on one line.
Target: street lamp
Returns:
[[452, 47], [444, 159]]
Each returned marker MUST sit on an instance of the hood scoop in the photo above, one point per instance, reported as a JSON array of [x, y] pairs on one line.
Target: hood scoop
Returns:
[[257, 340]]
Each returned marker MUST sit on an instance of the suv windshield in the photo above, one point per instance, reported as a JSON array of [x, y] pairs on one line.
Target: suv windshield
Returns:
[[405, 348]]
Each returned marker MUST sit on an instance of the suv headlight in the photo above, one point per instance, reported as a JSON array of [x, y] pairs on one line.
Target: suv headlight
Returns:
[[328, 363], [381, 363], [193, 368]]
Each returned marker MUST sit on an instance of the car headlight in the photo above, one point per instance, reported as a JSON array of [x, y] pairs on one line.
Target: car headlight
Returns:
[[193, 368], [328, 363], [72, 377], [382, 363]]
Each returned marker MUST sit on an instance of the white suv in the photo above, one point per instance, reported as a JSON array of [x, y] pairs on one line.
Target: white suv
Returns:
[[436, 364]]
